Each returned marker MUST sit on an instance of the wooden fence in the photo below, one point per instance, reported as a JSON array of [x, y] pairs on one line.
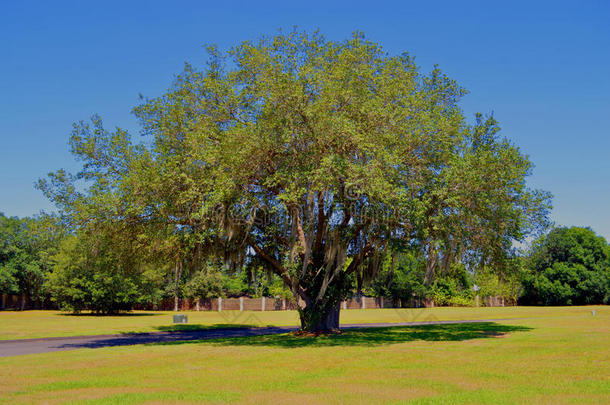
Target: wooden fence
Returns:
[[259, 304], [8, 301]]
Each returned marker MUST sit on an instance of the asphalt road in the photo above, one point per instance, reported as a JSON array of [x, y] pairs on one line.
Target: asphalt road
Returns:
[[45, 345]]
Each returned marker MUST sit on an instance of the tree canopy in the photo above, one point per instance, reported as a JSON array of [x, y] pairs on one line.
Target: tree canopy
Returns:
[[569, 266], [26, 248], [311, 157]]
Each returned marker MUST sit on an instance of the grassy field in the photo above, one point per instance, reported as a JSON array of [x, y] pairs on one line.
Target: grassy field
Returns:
[[37, 324], [553, 355]]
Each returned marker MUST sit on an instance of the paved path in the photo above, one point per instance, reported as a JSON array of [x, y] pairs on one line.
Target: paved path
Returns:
[[44, 345]]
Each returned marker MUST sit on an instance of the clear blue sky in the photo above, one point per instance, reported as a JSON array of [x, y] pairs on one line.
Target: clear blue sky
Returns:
[[543, 68]]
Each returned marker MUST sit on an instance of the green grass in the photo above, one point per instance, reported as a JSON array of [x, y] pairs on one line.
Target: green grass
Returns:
[[554, 356], [37, 324]]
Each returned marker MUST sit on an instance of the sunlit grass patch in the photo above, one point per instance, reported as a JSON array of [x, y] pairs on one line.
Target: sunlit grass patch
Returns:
[[36, 324], [562, 357]]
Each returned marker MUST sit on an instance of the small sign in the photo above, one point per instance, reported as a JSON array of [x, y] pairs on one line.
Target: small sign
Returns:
[[180, 319]]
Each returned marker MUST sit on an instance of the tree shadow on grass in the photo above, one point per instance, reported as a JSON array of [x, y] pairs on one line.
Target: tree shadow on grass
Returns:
[[372, 336], [196, 327]]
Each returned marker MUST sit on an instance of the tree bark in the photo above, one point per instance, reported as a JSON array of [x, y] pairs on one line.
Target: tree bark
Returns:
[[177, 274], [316, 319], [430, 264]]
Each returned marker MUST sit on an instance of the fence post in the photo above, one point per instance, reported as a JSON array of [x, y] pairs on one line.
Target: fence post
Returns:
[[283, 304], [344, 304], [263, 304], [241, 303], [363, 302], [381, 302], [219, 304]]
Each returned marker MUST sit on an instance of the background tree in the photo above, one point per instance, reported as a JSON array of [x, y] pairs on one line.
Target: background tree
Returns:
[[100, 271], [506, 284], [569, 266], [26, 246], [206, 284], [400, 278], [9, 229]]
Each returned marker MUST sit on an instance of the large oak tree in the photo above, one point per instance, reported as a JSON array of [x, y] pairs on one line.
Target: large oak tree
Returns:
[[312, 157]]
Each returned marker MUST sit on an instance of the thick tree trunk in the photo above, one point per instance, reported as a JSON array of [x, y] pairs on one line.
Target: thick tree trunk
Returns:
[[316, 319], [22, 306]]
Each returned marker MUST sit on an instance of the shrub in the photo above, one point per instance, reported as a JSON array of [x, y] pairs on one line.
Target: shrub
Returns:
[[450, 291], [204, 285]]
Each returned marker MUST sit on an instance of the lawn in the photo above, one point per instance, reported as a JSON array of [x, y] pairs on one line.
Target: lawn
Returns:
[[550, 355], [37, 324]]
